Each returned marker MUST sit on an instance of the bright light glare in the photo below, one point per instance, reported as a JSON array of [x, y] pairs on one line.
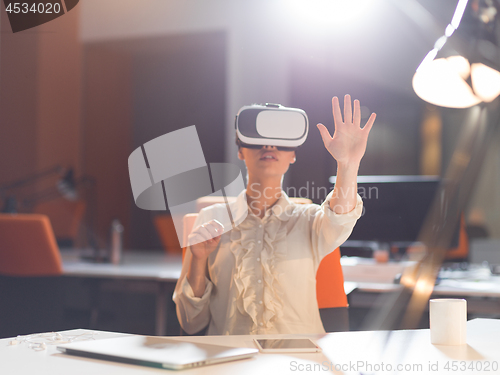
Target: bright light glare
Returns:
[[460, 65], [328, 14], [485, 82], [438, 82], [423, 286]]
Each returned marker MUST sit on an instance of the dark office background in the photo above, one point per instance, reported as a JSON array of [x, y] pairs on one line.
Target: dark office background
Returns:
[[87, 103]]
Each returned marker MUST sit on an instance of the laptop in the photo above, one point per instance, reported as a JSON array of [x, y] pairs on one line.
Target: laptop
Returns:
[[159, 352]]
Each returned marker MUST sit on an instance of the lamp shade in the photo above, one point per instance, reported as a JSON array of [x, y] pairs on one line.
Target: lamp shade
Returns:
[[439, 82], [485, 82], [469, 77]]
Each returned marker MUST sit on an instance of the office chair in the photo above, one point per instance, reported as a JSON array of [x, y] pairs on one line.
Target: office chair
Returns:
[[65, 217], [330, 293], [461, 252], [166, 231], [31, 292]]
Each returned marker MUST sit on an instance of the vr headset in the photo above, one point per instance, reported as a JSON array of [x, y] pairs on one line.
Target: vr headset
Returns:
[[268, 124]]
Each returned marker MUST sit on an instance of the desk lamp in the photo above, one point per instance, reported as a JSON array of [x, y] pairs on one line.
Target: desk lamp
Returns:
[[65, 186], [461, 71]]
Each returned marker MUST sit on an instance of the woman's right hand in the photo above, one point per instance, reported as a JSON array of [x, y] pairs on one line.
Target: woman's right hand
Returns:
[[204, 239]]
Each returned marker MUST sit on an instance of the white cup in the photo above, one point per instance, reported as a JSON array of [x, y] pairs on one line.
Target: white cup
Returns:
[[448, 318]]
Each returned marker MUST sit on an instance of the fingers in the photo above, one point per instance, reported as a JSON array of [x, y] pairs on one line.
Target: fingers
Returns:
[[218, 225], [325, 134], [212, 230], [370, 122], [195, 238], [347, 109], [357, 113], [208, 231], [349, 116], [337, 115]]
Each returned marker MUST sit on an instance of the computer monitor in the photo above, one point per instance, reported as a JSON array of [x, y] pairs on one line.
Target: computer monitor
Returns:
[[395, 208]]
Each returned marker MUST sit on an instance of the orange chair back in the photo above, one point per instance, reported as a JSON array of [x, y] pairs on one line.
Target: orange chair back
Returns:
[[65, 216], [462, 250], [330, 290], [28, 246], [329, 277], [168, 236], [188, 223]]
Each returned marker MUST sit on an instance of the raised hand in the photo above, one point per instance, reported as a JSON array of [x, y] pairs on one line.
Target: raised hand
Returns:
[[204, 239], [348, 144]]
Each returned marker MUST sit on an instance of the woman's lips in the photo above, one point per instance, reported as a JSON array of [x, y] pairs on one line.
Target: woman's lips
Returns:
[[268, 156]]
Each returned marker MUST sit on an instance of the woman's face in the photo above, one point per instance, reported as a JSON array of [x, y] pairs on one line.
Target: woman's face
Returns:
[[266, 162]]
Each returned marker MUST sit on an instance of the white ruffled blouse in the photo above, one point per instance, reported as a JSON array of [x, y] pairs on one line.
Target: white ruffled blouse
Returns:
[[262, 277]]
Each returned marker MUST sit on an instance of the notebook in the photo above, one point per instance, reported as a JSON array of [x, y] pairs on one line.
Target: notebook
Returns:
[[159, 352]]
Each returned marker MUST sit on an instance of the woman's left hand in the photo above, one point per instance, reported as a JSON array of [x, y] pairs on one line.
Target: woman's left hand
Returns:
[[348, 143]]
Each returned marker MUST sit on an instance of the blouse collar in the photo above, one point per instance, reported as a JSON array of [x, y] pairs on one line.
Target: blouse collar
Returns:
[[282, 209]]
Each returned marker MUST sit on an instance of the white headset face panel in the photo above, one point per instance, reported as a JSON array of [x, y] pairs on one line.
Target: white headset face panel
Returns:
[[272, 125]]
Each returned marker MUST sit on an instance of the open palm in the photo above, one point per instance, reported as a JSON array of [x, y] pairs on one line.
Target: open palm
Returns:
[[348, 144]]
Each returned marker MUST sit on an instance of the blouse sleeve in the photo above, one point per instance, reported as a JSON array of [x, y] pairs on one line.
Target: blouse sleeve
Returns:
[[330, 229], [193, 312]]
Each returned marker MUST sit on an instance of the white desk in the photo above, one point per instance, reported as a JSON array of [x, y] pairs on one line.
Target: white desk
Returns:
[[152, 272], [157, 273], [141, 265], [344, 352], [368, 280]]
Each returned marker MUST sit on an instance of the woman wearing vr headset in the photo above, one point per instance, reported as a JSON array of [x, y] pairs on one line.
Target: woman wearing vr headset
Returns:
[[259, 278]]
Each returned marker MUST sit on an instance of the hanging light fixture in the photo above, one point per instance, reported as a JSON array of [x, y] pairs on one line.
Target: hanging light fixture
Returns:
[[462, 69]]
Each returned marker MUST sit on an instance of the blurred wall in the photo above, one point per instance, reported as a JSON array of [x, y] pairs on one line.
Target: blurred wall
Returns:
[[18, 102], [107, 126], [40, 97], [139, 89], [373, 45]]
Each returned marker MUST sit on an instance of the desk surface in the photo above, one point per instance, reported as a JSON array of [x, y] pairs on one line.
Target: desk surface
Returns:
[[343, 352], [369, 276], [160, 271], [142, 265], [359, 274]]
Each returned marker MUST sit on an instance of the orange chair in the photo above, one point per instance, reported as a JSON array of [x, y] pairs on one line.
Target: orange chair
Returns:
[[330, 282], [330, 292], [28, 246], [65, 217], [461, 252], [31, 285], [168, 236]]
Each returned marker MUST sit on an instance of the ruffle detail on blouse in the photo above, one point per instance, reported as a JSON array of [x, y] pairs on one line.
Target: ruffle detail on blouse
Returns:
[[275, 232], [245, 279], [242, 247]]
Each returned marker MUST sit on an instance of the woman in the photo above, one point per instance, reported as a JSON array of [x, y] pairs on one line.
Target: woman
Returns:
[[260, 277]]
